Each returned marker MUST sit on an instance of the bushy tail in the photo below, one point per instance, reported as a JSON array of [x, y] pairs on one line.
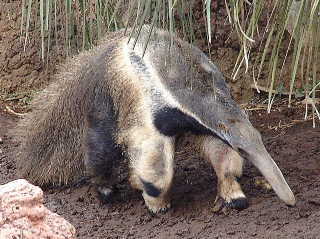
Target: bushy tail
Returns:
[[52, 147], [51, 136]]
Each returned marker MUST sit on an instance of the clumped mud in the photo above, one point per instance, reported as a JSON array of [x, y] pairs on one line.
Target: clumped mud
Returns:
[[293, 144]]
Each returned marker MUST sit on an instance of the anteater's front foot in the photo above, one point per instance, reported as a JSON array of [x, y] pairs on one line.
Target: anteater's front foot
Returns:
[[105, 194], [230, 196], [156, 204], [105, 188], [221, 205]]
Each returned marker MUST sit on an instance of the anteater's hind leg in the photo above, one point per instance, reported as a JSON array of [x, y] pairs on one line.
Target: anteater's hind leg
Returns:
[[151, 161], [227, 164], [102, 153]]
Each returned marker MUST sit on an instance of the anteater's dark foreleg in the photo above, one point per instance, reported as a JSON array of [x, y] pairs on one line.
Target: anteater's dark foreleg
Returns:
[[102, 153]]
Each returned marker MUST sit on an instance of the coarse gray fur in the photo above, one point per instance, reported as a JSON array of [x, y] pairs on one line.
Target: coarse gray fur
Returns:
[[113, 101]]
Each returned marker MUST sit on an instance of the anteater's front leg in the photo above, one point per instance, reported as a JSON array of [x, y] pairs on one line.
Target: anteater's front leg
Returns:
[[151, 161], [227, 164]]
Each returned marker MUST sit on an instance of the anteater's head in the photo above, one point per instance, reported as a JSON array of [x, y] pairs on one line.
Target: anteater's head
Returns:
[[244, 138]]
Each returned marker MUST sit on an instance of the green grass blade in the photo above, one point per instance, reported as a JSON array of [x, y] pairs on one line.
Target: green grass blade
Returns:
[[83, 24], [42, 29], [49, 29], [23, 15], [294, 71], [27, 24], [266, 48], [115, 12], [155, 14], [67, 43], [47, 14], [170, 22], [142, 19], [141, 5], [299, 35], [272, 82], [55, 23], [208, 17]]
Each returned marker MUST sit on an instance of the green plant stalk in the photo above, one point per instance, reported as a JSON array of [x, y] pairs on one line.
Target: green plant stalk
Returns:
[[266, 50], [23, 15], [158, 3], [139, 11], [47, 14], [83, 24], [299, 37], [145, 13], [55, 23], [316, 47], [170, 21], [49, 29], [208, 14], [274, 63], [67, 28], [42, 29], [115, 11], [274, 69], [27, 25]]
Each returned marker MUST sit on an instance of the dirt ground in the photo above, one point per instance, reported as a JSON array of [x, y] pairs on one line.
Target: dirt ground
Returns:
[[293, 144]]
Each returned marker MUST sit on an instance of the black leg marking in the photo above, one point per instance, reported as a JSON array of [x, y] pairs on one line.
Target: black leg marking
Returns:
[[238, 203], [150, 189]]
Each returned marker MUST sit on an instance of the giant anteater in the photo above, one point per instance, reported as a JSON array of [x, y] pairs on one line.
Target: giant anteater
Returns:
[[119, 100]]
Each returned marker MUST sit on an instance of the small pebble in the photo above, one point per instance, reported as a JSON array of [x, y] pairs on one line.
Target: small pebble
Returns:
[[1, 141]]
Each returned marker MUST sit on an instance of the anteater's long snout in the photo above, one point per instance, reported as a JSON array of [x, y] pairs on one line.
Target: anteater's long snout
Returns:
[[269, 169]]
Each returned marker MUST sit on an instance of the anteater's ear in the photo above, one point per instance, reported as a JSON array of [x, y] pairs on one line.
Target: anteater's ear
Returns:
[[208, 66], [203, 60]]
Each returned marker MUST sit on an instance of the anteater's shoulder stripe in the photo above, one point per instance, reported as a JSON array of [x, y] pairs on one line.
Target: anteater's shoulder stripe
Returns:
[[159, 100]]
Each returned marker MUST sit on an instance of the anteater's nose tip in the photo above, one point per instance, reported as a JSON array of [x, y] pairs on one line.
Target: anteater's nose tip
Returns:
[[289, 198], [291, 202]]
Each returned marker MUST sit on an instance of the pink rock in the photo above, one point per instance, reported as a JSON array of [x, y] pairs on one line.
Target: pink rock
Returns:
[[23, 215]]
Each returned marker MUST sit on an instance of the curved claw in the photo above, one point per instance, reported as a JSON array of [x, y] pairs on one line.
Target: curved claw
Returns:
[[159, 211], [156, 210], [156, 204]]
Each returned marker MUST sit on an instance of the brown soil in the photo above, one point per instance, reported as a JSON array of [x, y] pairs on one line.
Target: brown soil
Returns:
[[22, 72], [295, 149]]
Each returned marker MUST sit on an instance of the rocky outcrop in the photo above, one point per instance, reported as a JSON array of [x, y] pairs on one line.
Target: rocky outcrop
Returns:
[[23, 215]]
